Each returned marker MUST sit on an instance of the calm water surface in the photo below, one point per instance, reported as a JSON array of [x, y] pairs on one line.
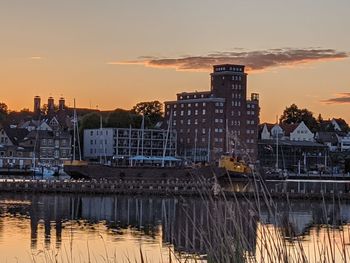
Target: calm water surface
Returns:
[[78, 228]]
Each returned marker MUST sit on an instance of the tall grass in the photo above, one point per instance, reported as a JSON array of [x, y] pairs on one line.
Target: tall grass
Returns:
[[234, 232]]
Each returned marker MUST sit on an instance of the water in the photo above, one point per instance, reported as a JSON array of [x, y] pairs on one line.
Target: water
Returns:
[[79, 228]]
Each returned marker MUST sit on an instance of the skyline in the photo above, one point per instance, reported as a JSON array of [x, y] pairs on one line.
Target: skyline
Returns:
[[115, 54]]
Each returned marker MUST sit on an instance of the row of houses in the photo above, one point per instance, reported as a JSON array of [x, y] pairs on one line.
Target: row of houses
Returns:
[[42, 139], [295, 146]]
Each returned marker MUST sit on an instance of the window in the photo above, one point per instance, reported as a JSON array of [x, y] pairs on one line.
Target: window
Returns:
[[174, 113], [182, 113], [203, 112], [196, 112], [189, 112], [196, 121], [188, 122], [203, 131], [91, 133]]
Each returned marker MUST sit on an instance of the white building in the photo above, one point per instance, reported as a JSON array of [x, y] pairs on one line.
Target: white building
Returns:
[[344, 143], [125, 143], [301, 133], [292, 132], [99, 143]]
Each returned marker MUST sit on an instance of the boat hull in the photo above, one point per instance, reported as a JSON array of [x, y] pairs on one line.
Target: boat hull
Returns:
[[101, 172]]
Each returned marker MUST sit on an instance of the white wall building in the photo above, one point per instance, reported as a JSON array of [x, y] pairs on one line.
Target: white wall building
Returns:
[[98, 143], [123, 143], [344, 143], [302, 133]]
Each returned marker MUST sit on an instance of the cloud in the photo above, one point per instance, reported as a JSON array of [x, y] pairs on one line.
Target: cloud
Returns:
[[342, 98], [36, 58], [254, 60]]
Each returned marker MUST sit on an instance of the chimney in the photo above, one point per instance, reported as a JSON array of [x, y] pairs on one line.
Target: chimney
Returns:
[[61, 104], [50, 105], [37, 104]]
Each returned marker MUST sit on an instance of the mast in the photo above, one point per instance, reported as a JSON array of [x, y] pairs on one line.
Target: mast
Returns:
[[129, 146], [74, 127], [101, 139], [277, 152], [227, 137], [195, 145], [166, 137], [209, 145], [143, 133]]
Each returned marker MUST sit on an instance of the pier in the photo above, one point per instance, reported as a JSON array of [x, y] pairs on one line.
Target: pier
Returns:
[[296, 189]]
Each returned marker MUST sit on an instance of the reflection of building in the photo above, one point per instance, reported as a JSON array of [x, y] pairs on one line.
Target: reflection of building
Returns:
[[188, 224], [210, 123], [123, 143]]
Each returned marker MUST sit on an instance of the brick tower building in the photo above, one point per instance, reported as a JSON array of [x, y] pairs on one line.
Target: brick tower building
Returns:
[[222, 120]]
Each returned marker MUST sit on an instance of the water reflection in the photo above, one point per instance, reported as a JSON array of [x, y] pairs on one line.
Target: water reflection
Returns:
[[188, 224]]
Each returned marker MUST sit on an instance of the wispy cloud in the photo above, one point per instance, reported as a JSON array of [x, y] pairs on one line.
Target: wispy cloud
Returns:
[[36, 58], [254, 60], [341, 98]]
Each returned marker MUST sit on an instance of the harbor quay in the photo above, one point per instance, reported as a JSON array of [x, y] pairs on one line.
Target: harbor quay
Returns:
[[275, 189]]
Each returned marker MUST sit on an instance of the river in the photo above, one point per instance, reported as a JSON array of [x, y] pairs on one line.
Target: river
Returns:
[[87, 228]]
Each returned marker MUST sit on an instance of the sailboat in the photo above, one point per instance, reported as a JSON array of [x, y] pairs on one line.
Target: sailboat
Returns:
[[73, 161]]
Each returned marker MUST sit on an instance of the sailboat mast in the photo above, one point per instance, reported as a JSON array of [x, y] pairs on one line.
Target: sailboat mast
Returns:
[[101, 138], [74, 130], [277, 144], [166, 137]]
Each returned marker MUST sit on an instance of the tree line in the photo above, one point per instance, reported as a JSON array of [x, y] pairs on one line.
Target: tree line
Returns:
[[293, 114]]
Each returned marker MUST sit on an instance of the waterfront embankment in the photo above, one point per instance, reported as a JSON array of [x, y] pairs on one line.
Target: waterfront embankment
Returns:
[[280, 189]]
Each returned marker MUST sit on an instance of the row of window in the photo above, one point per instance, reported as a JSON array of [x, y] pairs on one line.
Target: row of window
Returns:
[[236, 87], [94, 142], [192, 97], [98, 132], [250, 106], [189, 112], [236, 95], [189, 105]]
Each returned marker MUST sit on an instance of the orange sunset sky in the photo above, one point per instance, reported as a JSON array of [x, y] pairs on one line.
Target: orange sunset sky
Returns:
[[115, 53]]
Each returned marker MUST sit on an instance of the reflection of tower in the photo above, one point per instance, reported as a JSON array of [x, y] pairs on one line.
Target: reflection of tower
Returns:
[[50, 105], [37, 104], [61, 104], [34, 220], [58, 232]]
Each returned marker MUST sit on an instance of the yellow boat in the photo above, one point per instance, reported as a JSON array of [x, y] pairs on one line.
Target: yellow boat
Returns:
[[234, 166]]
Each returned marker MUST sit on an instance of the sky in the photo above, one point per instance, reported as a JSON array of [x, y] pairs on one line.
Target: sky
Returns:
[[112, 54]]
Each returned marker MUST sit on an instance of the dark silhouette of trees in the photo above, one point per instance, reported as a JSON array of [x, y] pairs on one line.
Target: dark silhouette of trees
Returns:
[[152, 110], [293, 114], [3, 111]]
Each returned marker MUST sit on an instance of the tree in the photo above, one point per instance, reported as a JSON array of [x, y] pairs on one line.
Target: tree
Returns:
[[293, 114], [3, 111], [119, 119], [152, 110], [90, 121]]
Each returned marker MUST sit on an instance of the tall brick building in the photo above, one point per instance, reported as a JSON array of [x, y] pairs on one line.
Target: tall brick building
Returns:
[[222, 120]]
